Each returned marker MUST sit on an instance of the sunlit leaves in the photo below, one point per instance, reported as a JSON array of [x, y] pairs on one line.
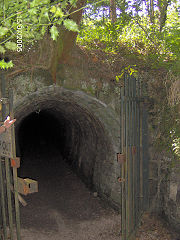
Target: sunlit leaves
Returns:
[[57, 12], [53, 9], [32, 11], [130, 70], [3, 31], [2, 49], [35, 3], [29, 20], [8, 23], [104, 33], [11, 45], [6, 65], [71, 25], [72, 2], [54, 32], [43, 30]]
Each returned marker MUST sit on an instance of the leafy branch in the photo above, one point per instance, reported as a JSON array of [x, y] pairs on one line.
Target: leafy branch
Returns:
[[39, 15], [145, 31]]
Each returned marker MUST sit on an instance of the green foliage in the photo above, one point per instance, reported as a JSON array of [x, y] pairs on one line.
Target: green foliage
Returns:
[[2, 49], [138, 39], [130, 70], [95, 35], [5, 65], [54, 32], [172, 37], [139, 36], [11, 45], [166, 120], [71, 25], [3, 31], [24, 22]]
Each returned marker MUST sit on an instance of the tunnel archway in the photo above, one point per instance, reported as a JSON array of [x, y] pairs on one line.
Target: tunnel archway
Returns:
[[47, 134], [69, 126]]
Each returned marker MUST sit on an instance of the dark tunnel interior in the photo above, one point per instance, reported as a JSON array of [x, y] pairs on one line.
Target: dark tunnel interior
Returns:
[[41, 131], [64, 143], [50, 144], [50, 137], [42, 143]]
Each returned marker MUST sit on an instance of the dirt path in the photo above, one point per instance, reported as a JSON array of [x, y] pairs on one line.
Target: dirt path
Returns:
[[64, 209]]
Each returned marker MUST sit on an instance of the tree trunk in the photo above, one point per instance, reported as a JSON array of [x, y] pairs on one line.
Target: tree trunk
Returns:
[[150, 9], [112, 10], [65, 42], [163, 5]]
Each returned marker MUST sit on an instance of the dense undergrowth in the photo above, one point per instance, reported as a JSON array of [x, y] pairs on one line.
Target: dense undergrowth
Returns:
[[155, 55]]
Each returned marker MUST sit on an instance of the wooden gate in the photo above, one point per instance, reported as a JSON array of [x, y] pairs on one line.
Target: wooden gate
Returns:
[[11, 186], [9, 203], [133, 157]]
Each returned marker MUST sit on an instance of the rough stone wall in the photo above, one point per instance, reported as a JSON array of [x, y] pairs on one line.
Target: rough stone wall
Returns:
[[164, 187], [84, 77], [171, 197], [92, 98], [79, 73]]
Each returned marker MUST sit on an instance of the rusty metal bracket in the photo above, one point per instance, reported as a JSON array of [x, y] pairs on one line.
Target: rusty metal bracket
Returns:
[[120, 179], [121, 158], [15, 162]]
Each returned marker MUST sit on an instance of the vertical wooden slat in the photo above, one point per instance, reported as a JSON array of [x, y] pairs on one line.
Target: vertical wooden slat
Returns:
[[9, 200], [8, 183], [130, 157], [139, 150], [141, 158], [15, 170], [3, 192], [133, 188], [3, 94], [123, 203], [132, 154], [3, 206], [127, 180], [7, 168], [135, 153]]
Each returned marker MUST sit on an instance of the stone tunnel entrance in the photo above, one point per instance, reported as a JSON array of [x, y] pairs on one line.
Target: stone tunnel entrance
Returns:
[[46, 135], [61, 134]]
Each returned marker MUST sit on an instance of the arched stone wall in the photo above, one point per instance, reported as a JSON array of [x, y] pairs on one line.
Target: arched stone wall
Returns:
[[91, 140]]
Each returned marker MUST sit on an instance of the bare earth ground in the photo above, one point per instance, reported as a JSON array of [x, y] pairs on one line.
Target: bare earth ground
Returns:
[[64, 209], [155, 228]]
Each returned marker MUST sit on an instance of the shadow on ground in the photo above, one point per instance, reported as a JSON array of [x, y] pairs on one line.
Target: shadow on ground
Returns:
[[64, 208]]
